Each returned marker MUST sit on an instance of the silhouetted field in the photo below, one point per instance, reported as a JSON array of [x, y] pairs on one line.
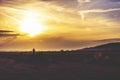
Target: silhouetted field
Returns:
[[98, 63], [61, 65]]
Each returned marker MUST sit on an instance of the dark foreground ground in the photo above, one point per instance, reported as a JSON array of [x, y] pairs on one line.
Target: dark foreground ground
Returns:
[[58, 67], [58, 71]]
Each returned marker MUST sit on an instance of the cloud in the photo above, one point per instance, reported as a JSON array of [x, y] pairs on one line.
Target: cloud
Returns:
[[115, 0], [83, 1], [7, 33], [83, 12]]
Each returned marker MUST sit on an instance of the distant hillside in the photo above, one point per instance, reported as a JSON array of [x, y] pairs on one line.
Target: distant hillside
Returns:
[[105, 47], [93, 43]]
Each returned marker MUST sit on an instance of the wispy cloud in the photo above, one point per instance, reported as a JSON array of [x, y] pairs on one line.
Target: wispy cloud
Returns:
[[5, 31], [84, 1], [115, 0], [84, 12], [8, 33]]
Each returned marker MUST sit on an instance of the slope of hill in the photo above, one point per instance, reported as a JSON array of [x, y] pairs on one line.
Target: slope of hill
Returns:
[[105, 47]]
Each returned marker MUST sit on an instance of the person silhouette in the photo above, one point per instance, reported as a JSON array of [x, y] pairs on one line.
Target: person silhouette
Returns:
[[33, 51]]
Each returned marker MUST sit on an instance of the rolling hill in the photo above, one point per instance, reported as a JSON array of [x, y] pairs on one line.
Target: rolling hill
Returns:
[[105, 47]]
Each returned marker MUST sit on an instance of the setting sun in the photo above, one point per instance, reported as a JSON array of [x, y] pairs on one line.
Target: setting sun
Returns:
[[31, 25]]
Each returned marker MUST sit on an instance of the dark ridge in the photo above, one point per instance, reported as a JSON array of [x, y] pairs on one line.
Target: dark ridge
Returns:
[[105, 47]]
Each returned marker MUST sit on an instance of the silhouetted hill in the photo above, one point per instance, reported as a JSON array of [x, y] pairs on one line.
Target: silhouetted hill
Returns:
[[105, 47], [110, 40]]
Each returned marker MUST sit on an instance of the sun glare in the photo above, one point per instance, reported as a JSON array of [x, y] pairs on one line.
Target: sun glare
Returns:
[[31, 26]]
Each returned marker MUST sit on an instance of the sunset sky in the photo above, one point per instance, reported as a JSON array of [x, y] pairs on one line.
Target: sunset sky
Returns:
[[57, 24]]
